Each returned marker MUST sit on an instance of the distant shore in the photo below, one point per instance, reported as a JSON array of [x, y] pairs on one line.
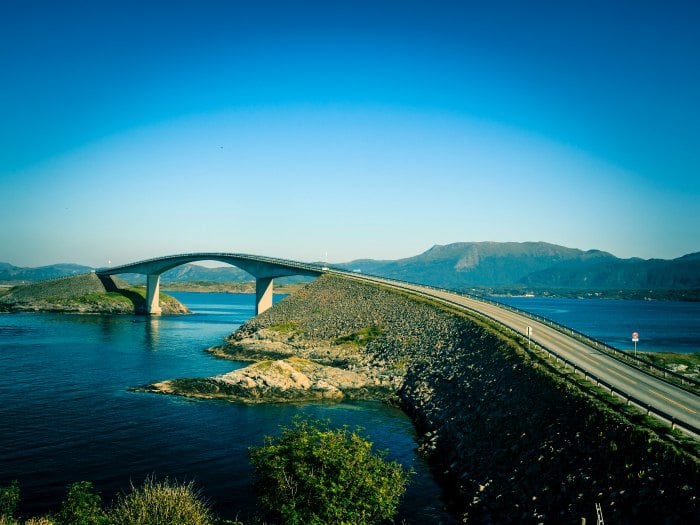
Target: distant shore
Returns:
[[227, 287]]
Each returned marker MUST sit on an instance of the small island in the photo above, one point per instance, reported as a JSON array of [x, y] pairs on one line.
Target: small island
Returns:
[[86, 293]]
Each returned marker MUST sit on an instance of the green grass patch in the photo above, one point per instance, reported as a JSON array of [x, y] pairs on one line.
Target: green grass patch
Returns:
[[671, 359], [264, 366], [91, 298], [111, 297], [140, 290], [288, 327], [361, 337]]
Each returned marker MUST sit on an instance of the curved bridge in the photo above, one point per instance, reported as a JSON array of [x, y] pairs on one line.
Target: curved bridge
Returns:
[[264, 269]]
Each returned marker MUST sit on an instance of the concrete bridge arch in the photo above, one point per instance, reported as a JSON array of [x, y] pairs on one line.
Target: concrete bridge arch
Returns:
[[264, 269]]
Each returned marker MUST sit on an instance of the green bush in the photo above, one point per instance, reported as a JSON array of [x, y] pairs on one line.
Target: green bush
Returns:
[[311, 474], [82, 506], [9, 498], [161, 503]]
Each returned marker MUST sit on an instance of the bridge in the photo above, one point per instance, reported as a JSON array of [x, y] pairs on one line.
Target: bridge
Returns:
[[264, 269], [653, 394]]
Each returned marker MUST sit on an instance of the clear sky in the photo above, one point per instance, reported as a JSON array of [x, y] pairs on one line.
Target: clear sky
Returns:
[[358, 129]]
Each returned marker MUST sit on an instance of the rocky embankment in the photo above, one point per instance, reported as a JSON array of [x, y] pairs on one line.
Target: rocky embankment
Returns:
[[512, 441], [85, 293]]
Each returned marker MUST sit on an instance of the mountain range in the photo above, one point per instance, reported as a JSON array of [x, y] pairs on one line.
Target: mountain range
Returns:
[[10, 273], [534, 266], [537, 266]]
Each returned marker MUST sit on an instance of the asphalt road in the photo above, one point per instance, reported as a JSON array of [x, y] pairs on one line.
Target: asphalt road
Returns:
[[675, 402]]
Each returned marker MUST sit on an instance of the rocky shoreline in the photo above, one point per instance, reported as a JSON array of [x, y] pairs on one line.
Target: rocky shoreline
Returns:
[[512, 441]]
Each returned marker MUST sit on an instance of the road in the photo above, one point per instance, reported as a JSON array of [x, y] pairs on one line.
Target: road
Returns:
[[677, 403]]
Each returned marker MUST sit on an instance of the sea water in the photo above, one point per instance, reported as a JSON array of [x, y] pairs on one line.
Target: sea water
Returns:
[[67, 414], [663, 326]]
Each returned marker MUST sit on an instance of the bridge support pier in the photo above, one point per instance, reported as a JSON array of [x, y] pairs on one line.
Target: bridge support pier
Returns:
[[263, 294], [153, 294]]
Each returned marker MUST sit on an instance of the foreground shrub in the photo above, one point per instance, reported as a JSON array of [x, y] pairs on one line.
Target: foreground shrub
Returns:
[[9, 498], [312, 475], [82, 506], [161, 503]]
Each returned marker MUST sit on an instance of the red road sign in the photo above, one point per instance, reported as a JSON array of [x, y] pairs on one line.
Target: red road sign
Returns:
[[635, 337]]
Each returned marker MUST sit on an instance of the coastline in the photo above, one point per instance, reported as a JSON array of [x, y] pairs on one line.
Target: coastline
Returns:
[[511, 439]]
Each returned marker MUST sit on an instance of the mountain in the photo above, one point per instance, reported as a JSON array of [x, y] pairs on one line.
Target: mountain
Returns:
[[517, 266], [535, 265], [184, 273], [625, 274], [194, 272], [12, 273], [467, 264]]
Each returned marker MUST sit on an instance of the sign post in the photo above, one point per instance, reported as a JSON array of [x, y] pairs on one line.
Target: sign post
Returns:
[[529, 333], [635, 340]]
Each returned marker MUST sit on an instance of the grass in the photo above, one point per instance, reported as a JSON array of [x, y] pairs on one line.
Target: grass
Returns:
[[289, 327], [264, 366], [361, 337], [673, 360], [162, 503]]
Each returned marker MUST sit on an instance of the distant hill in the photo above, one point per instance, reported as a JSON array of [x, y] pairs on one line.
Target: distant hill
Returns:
[[535, 265], [194, 272], [653, 274], [12, 273], [190, 273]]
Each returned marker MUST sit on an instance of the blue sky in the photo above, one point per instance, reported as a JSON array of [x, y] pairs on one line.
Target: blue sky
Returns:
[[357, 129]]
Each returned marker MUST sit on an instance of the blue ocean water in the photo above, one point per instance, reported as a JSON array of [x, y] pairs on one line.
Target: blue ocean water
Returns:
[[663, 326], [66, 412]]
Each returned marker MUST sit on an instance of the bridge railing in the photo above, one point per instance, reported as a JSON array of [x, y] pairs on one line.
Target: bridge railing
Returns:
[[245, 256]]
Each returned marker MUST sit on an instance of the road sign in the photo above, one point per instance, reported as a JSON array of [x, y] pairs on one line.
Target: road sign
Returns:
[[635, 337]]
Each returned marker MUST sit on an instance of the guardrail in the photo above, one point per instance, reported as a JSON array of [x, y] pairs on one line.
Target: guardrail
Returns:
[[615, 353], [614, 390]]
